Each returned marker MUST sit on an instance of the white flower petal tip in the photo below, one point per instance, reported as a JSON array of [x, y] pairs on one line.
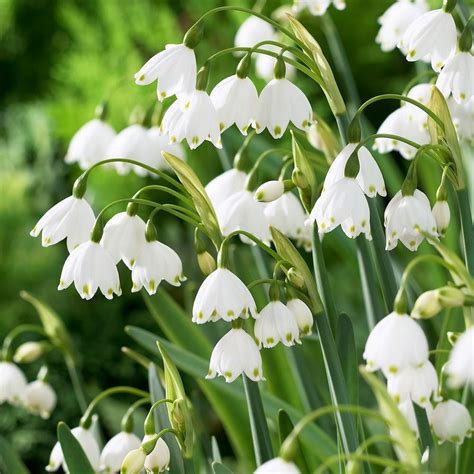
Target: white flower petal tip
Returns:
[[277, 465], [442, 216], [40, 398], [234, 354], [12, 383], [223, 295], [451, 421], [116, 449], [302, 315], [460, 367], [159, 459], [456, 77], [317, 7]]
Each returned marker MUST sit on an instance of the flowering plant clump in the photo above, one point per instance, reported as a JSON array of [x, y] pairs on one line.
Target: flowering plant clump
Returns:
[[267, 300]]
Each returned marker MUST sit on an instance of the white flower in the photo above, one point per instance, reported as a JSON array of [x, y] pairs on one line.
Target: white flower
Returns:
[[235, 100], [174, 69], [159, 142], [223, 295], [416, 384], [460, 367], [29, 352], [89, 445], [406, 217], [457, 77], [451, 421], [317, 7], [395, 21], [40, 398], [408, 411], [314, 137], [369, 178], [116, 449], [159, 459], [234, 354], [71, 219], [192, 117], [12, 383], [277, 465], [252, 31], [90, 267], [241, 211], [395, 343], [265, 64], [432, 36], [156, 262], [124, 237], [134, 462], [343, 203], [442, 216], [225, 185], [302, 315], [276, 323], [89, 144], [279, 103], [463, 119], [270, 191]]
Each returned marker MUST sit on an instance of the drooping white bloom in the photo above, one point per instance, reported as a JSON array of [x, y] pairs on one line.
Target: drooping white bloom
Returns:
[[12, 383], [192, 117], [279, 103], [124, 237], [134, 461], [417, 384], [71, 219], [302, 315], [88, 444], [343, 203], [29, 352], [276, 323], [432, 36], [317, 7], [277, 465], [241, 211], [457, 77], [463, 119], [234, 354], [451, 421], [442, 216], [224, 185], [395, 343], [369, 178], [90, 267], [223, 295], [159, 459], [116, 449], [89, 143], [174, 69], [406, 217], [265, 64], [270, 191], [40, 398], [159, 142], [235, 100], [396, 20], [252, 31], [156, 262], [314, 137], [460, 367]]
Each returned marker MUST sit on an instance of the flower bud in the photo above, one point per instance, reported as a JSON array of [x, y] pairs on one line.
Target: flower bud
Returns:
[[206, 262], [40, 398], [134, 462], [270, 191], [432, 302], [29, 352], [442, 216], [295, 278]]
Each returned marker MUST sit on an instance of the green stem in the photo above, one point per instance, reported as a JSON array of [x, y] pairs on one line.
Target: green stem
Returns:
[[262, 245], [77, 384], [127, 419], [465, 216], [14, 333], [158, 187], [369, 458], [265, 281]]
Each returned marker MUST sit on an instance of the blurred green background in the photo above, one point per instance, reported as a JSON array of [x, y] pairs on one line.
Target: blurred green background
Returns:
[[58, 60]]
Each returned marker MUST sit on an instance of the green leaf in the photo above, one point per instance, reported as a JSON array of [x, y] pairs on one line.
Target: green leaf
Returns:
[[198, 194], [218, 468], [10, 462], [426, 438], [285, 427], [74, 455]]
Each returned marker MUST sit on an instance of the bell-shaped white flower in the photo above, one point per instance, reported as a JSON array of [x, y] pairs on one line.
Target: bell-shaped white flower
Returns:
[[302, 315], [159, 459], [159, 142], [417, 384], [114, 452], [463, 119], [88, 444], [241, 211], [369, 178], [406, 217], [442, 216], [134, 461], [124, 237], [12, 383], [432, 36], [457, 77], [276, 323], [277, 465], [395, 343], [223, 295], [40, 398], [252, 31], [317, 7], [192, 117], [174, 69], [89, 143], [234, 354], [91, 267], [460, 367], [396, 20], [71, 219], [279, 103], [225, 185], [451, 421], [265, 64], [235, 100], [343, 203]]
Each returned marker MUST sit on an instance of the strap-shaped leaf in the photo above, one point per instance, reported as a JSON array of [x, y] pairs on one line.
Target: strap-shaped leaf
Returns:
[[219, 468], [74, 455], [9, 459], [285, 427]]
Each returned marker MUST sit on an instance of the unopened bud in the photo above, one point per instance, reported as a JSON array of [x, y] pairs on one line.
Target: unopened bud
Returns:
[[299, 179], [431, 302], [270, 191], [295, 278], [353, 467], [442, 216], [134, 462], [206, 262], [29, 352]]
